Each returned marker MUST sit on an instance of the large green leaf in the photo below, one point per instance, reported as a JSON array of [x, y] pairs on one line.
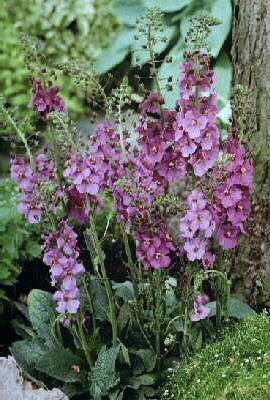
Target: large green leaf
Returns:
[[237, 309], [128, 11], [221, 9], [27, 353], [116, 52], [41, 308], [124, 290], [99, 298], [60, 363], [167, 6], [224, 73], [172, 69], [103, 376]]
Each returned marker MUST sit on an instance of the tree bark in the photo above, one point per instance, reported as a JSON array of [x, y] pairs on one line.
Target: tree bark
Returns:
[[251, 58]]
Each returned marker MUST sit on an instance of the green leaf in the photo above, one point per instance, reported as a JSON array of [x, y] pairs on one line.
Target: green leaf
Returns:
[[224, 73], [136, 382], [221, 9], [41, 308], [27, 353], [148, 358], [168, 6], [173, 70], [103, 376], [239, 309], [59, 363], [123, 317], [163, 39], [124, 290], [99, 298], [116, 52], [129, 11]]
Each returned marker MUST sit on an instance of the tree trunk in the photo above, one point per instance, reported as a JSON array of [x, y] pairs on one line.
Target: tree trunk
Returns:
[[251, 58]]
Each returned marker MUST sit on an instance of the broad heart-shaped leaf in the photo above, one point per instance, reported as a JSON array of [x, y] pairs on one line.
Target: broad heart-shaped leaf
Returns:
[[224, 73], [116, 52], [103, 376], [41, 308], [237, 309], [124, 290], [141, 56], [27, 352], [128, 11], [167, 6], [172, 69], [59, 363], [221, 9], [99, 298], [148, 358]]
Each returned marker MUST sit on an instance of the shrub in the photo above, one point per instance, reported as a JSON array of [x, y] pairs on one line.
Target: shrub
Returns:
[[235, 368]]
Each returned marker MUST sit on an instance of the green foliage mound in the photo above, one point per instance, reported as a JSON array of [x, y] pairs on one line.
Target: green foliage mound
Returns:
[[236, 368]]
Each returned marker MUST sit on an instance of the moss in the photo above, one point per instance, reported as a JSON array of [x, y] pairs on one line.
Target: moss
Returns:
[[235, 368]]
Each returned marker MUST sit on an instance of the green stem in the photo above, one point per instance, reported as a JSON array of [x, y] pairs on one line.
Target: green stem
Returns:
[[21, 136], [84, 341], [130, 261], [158, 317], [109, 291], [186, 328]]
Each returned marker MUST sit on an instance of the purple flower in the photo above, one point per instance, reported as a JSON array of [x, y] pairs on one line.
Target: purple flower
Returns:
[[240, 212], [208, 260], [47, 100], [196, 200], [67, 301], [200, 311], [195, 249], [153, 103], [229, 236], [229, 196], [194, 122]]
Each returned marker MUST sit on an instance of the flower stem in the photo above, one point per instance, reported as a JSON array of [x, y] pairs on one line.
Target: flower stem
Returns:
[[131, 264], [84, 341], [100, 262]]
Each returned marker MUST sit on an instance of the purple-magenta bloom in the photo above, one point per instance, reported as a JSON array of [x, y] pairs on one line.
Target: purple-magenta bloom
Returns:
[[229, 236], [240, 212], [200, 311], [203, 160], [67, 300], [229, 196], [196, 200], [194, 122], [208, 260], [153, 103], [195, 249], [187, 146], [47, 100]]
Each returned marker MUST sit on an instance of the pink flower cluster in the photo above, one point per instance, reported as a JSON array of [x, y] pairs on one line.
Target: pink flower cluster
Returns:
[[196, 228], [200, 311], [29, 181], [47, 100], [155, 246], [61, 255], [196, 132], [232, 205]]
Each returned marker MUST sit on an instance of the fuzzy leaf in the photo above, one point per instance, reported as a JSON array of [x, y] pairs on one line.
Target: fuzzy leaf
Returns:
[[59, 363], [129, 11], [148, 358], [222, 10], [27, 353], [168, 6], [41, 308], [124, 290], [136, 382], [99, 299], [238, 309], [173, 70], [103, 376], [116, 52]]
